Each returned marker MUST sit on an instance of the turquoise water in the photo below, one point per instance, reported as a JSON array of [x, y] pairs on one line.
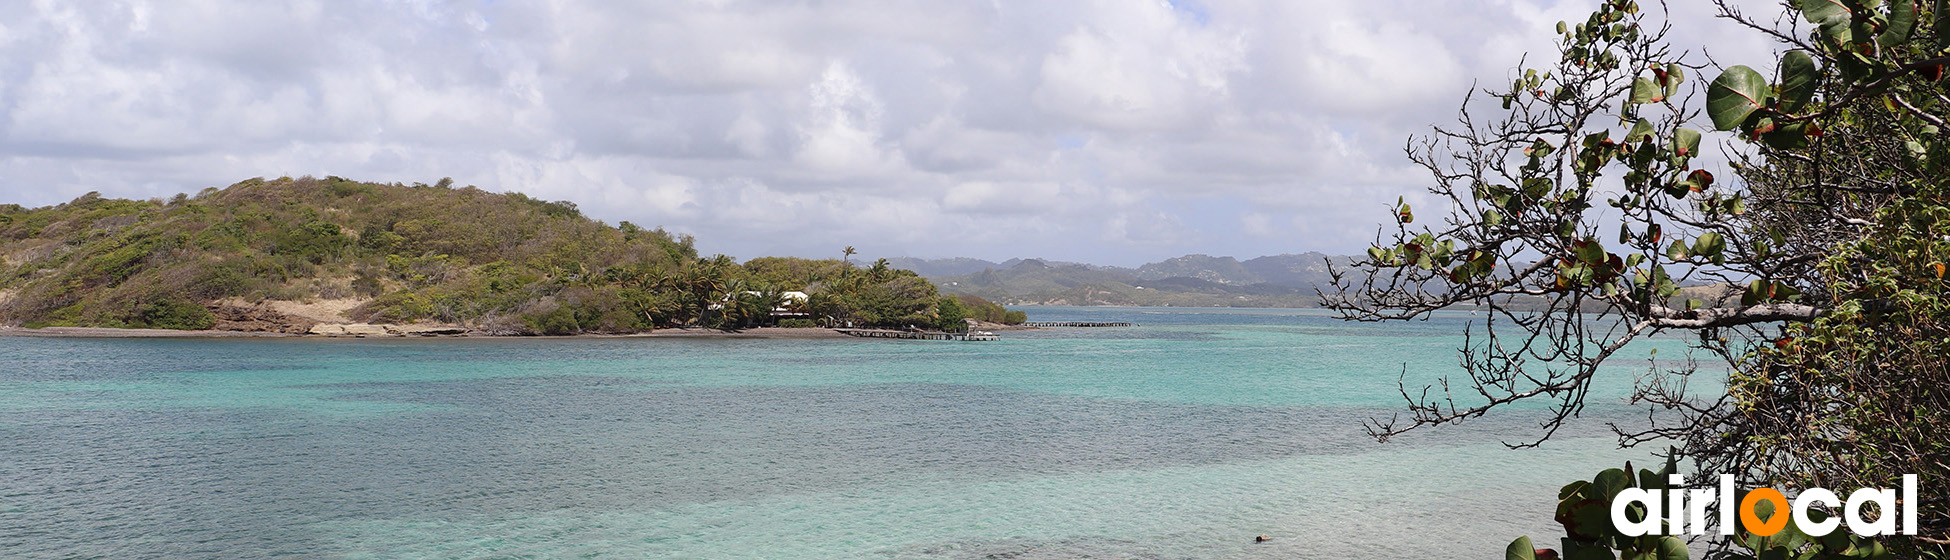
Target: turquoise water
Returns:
[[1181, 438]]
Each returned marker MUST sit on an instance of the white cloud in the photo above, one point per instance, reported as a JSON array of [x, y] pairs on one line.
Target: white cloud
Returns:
[[1091, 130]]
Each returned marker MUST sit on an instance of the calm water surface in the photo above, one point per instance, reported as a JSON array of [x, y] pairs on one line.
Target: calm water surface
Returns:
[[1182, 438]]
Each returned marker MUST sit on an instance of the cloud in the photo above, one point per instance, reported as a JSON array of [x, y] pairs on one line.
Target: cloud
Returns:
[[1099, 130]]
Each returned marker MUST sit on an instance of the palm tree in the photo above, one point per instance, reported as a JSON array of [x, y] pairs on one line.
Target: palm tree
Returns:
[[849, 252]]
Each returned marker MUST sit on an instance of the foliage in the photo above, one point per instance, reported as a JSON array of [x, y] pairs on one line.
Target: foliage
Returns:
[[508, 263], [949, 315], [984, 310], [1831, 244]]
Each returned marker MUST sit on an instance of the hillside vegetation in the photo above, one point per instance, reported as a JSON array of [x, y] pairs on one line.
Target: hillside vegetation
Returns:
[[501, 263]]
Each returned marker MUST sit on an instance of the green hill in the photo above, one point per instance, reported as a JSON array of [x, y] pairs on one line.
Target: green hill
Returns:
[[500, 263]]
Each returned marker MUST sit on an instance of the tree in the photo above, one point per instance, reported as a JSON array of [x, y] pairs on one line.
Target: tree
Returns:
[[949, 315], [848, 253], [1817, 277]]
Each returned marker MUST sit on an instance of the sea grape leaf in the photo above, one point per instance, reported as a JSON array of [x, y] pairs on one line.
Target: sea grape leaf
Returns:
[[1902, 20], [1520, 549], [1798, 80], [1818, 11], [1640, 131], [1671, 548], [1709, 244], [1685, 141], [1735, 95], [1644, 91]]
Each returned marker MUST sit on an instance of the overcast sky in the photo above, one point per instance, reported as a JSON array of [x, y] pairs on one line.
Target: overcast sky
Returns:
[[1107, 131]]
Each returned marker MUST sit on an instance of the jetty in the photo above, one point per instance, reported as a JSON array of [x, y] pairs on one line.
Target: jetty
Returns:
[[920, 335], [1040, 324]]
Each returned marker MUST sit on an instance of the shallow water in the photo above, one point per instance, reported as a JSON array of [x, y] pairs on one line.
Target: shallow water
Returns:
[[1182, 438]]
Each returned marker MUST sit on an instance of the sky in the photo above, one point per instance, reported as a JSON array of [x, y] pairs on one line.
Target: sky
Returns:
[[1105, 131]]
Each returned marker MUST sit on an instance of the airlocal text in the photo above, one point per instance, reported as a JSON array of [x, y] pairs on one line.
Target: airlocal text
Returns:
[[1686, 508]]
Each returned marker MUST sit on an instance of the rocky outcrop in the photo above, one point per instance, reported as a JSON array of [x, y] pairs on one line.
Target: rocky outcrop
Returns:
[[258, 319]]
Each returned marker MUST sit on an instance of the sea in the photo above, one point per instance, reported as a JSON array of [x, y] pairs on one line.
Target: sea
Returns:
[[1185, 437]]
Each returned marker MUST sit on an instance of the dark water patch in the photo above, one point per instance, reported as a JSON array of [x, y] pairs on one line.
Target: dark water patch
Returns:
[[1030, 549]]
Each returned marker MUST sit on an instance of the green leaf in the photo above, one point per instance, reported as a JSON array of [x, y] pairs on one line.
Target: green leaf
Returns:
[[1520, 549], [1685, 142], [1818, 11], [1833, 17], [1644, 91], [1590, 251], [1652, 481], [1677, 251], [1735, 95], [1709, 244], [1942, 25], [1574, 551], [1610, 482], [1902, 20], [1671, 548], [1640, 131], [1799, 78], [1792, 136], [1755, 293]]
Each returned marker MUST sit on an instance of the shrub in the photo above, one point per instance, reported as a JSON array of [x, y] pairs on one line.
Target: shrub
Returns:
[[172, 313], [560, 320]]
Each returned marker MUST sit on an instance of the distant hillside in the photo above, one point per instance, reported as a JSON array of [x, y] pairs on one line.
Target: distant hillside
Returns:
[[1303, 270], [1222, 270], [1189, 281], [283, 254], [936, 268], [940, 268]]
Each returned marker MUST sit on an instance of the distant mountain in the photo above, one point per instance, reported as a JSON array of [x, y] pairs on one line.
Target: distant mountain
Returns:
[[1301, 271], [1191, 280], [1222, 270], [957, 266], [936, 268]]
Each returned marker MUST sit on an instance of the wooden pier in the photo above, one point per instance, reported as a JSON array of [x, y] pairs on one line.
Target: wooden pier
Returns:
[[920, 335], [1075, 324]]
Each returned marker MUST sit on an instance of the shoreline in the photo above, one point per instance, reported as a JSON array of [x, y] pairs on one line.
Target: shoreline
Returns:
[[108, 332]]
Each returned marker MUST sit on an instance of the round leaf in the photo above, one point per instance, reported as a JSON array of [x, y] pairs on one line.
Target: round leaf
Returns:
[[1798, 80], [1902, 19], [1520, 549], [1671, 548], [1735, 95]]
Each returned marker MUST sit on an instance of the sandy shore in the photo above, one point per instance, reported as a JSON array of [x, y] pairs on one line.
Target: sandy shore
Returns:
[[98, 332]]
